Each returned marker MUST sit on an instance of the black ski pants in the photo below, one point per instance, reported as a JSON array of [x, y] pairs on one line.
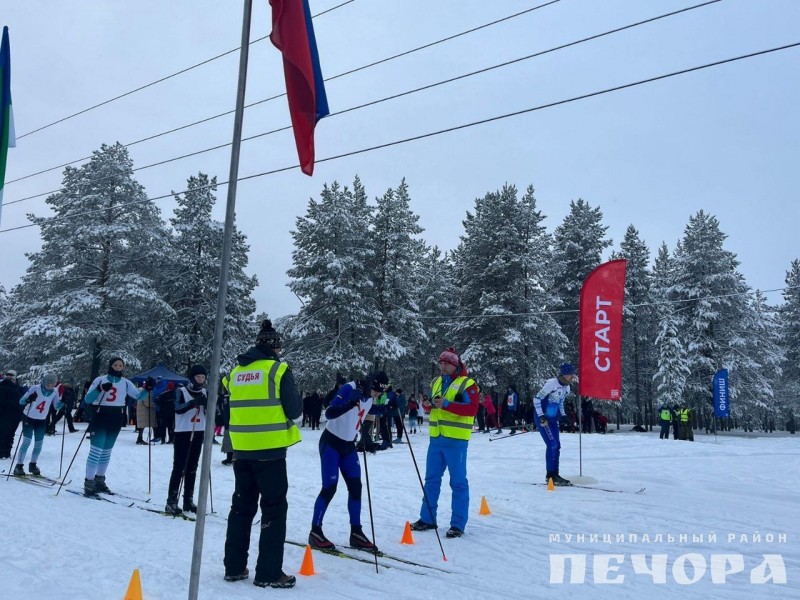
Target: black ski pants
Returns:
[[261, 482], [10, 416], [67, 414], [186, 455]]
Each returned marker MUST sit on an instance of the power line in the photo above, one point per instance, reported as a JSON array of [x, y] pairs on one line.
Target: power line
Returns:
[[443, 131], [406, 93], [157, 81], [574, 310], [275, 97]]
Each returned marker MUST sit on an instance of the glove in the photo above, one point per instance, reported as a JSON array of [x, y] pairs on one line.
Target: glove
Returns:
[[201, 400], [543, 421], [149, 384], [31, 398], [106, 386]]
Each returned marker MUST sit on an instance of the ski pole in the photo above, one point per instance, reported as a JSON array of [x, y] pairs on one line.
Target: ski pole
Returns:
[[21, 434], [211, 492], [424, 493], [63, 435], [83, 437], [369, 503], [149, 448]]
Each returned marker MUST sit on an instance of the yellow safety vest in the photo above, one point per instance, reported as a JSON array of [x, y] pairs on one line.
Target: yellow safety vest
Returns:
[[257, 419], [445, 423], [684, 414], [666, 415]]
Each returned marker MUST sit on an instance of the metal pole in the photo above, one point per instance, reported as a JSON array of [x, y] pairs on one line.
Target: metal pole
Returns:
[[149, 446], [580, 437], [222, 295]]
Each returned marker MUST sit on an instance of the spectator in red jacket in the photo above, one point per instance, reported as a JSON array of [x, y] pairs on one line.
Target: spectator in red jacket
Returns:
[[491, 413]]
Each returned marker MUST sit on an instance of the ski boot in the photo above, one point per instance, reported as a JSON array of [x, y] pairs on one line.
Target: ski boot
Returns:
[[454, 532], [172, 507], [100, 485], [34, 470], [18, 471], [317, 539], [189, 505], [558, 480], [361, 541], [90, 488]]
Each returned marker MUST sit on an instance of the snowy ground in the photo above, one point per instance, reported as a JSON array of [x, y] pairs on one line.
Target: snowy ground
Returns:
[[69, 547]]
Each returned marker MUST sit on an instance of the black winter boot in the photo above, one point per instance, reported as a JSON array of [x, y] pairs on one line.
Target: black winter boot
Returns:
[[283, 582], [189, 505], [19, 471], [33, 469], [421, 525]]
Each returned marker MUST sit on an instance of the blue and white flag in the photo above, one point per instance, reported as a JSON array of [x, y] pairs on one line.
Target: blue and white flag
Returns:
[[722, 399]]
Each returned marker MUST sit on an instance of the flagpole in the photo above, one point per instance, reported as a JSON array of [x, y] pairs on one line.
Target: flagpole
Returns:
[[216, 356], [580, 437]]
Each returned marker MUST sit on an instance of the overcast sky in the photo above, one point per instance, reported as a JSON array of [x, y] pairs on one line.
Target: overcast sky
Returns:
[[725, 140]]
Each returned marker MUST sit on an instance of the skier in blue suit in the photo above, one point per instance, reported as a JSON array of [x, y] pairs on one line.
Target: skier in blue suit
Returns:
[[549, 408]]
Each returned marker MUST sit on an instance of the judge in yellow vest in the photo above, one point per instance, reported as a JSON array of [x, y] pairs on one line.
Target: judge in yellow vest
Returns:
[[263, 405], [455, 399]]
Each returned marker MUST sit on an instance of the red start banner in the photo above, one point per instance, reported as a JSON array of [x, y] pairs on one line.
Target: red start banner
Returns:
[[600, 373]]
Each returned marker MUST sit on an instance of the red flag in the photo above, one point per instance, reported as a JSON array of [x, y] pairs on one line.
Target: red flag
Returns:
[[293, 34], [600, 373]]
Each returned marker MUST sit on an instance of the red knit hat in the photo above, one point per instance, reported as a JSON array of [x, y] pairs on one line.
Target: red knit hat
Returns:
[[450, 357]]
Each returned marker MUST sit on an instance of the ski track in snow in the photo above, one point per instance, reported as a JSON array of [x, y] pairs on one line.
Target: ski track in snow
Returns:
[[70, 547]]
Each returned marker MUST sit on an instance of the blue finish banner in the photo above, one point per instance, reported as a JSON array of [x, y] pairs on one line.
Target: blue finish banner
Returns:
[[722, 400]]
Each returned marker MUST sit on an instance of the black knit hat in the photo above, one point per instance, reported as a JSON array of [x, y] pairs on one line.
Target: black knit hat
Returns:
[[267, 336], [197, 370]]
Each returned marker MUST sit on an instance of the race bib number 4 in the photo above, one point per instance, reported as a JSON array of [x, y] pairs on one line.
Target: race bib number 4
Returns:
[[249, 378]]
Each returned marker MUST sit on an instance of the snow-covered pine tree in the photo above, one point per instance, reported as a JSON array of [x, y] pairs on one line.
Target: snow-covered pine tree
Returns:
[[503, 278], [579, 242], [638, 331], [672, 367], [757, 363], [436, 295], [330, 335], [706, 276], [790, 326], [396, 257], [543, 342], [191, 283], [88, 293], [5, 342]]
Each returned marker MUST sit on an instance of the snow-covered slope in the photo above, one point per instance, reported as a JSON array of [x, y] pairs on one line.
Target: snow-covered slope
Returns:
[[71, 547]]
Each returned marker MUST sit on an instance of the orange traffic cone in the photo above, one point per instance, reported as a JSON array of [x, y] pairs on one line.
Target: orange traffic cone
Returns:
[[407, 537], [550, 486], [307, 568], [134, 587], [484, 507]]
